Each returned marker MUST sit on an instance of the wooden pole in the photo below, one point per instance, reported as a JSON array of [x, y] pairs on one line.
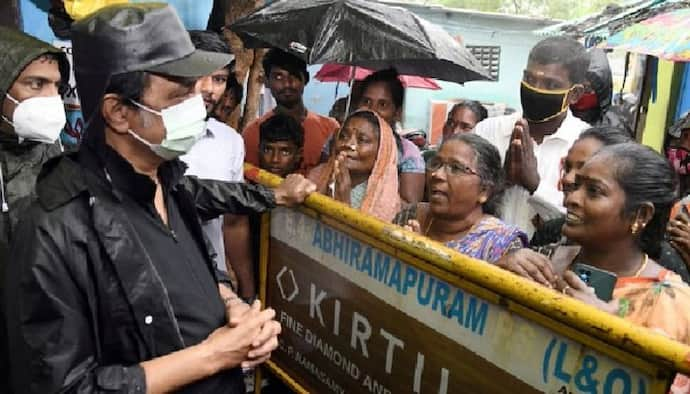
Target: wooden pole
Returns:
[[248, 69], [9, 13], [255, 83]]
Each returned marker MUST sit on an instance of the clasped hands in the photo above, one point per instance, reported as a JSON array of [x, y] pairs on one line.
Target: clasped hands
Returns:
[[520, 164], [249, 337]]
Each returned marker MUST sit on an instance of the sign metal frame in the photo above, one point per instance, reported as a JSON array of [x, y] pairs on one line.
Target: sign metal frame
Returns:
[[637, 347]]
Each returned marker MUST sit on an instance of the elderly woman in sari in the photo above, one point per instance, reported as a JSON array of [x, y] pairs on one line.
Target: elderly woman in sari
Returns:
[[362, 172], [465, 180], [618, 208]]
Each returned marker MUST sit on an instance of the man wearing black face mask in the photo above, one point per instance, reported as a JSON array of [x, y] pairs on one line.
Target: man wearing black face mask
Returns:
[[533, 142]]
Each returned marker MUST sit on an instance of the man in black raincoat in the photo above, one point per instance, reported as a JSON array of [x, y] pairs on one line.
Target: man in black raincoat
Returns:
[[29, 69], [30, 73], [112, 286], [594, 107]]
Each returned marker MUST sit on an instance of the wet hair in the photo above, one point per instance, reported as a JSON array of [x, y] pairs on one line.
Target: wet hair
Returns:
[[606, 135], [234, 87], [565, 51], [369, 116], [129, 86], [645, 177], [391, 78], [49, 57], [63, 67], [338, 108], [281, 128], [476, 107], [292, 64], [489, 167]]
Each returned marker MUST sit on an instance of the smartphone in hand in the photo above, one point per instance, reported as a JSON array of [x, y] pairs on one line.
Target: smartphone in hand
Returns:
[[602, 281]]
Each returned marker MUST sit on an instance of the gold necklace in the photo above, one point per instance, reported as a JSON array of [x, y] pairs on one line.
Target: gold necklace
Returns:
[[645, 260]]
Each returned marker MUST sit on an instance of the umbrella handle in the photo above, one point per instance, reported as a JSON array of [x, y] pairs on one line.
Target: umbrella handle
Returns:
[[353, 70]]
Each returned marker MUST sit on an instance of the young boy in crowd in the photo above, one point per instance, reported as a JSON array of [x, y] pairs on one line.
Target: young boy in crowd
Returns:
[[286, 77], [281, 144]]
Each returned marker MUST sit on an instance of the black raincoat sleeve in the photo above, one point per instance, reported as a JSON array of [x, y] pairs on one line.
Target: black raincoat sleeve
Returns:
[[215, 198], [51, 333]]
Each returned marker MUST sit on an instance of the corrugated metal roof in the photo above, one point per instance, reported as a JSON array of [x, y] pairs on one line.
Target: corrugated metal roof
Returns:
[[613, 18], [462, 11]]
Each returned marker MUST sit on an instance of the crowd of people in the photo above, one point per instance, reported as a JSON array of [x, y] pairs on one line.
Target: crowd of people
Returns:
[[129, 265]]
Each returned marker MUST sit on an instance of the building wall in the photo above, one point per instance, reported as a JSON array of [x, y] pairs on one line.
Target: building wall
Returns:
[[515, 38], [662, 108], [683, 104]]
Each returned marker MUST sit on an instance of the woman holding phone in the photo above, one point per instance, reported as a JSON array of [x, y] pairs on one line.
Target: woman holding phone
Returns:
[[617, 211]]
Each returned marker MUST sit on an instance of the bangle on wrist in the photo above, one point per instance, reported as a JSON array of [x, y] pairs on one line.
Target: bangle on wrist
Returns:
[[228, 300]]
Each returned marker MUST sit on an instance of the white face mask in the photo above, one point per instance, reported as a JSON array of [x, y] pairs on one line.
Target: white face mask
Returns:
[[184, 124], [38, 118]]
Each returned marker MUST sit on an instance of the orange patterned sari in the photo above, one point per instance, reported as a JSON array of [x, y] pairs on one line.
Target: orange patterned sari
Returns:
[[381, 198], [661, 304]]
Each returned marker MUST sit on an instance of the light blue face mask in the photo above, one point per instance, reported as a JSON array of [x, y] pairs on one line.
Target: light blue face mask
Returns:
[[184, 124]]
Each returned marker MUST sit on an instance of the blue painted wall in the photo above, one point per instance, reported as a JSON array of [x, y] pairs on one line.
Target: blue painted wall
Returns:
[[320, 96], [684, 94], [33, 15]]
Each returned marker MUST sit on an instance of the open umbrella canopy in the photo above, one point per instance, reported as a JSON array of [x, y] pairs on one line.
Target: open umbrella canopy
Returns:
[[343, 73], [360, 32], [666, 36]]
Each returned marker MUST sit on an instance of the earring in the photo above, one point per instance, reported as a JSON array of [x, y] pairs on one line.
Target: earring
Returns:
[[635, 228]]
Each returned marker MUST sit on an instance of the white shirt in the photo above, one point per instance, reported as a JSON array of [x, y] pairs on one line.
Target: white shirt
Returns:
[[218, 155], [515, 208]]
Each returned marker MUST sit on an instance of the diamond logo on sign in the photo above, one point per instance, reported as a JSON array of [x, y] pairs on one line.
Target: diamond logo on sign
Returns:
[[283, 278]]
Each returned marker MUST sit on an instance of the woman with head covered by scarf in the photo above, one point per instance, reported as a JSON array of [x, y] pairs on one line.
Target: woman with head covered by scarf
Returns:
[[362, 171]]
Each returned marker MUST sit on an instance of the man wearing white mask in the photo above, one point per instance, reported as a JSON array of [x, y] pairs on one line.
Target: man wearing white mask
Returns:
[[114, 288], [31, 118]]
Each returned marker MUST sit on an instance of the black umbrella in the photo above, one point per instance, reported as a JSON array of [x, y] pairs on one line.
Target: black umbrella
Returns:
[[360, 32]]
